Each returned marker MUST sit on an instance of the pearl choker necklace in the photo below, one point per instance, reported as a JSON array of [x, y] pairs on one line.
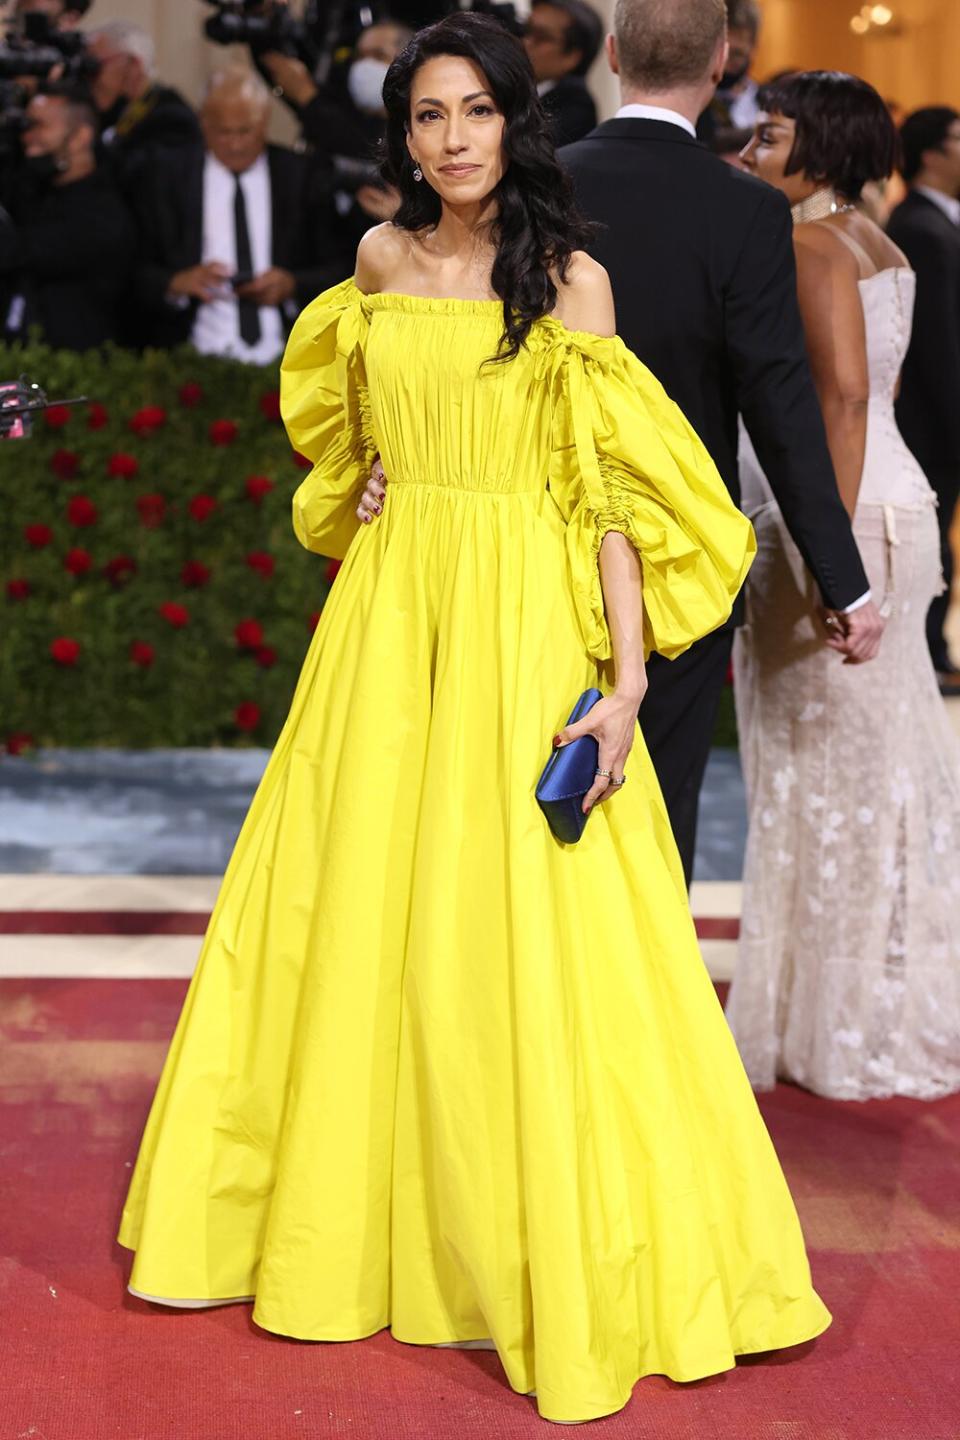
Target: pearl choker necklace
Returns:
[[819, 205]]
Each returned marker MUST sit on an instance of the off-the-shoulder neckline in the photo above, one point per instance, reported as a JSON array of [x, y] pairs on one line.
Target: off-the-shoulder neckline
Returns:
[[438, 304]]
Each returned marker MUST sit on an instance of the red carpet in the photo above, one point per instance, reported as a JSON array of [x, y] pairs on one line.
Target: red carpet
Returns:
[[878, 1187]]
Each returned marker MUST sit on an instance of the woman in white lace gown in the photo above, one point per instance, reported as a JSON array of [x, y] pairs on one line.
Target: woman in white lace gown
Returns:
[[848, 974]]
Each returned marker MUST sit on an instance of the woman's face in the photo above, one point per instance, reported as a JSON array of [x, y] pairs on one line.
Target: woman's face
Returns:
[[456, 130], [768, 155]]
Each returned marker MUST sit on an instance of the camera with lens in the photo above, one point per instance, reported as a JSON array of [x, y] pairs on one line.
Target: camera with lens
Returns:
[[261, 24], [33, 47]]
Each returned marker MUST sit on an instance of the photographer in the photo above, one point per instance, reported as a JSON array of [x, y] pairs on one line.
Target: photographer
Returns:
[[136, 112], [67, 255], [346, 129]]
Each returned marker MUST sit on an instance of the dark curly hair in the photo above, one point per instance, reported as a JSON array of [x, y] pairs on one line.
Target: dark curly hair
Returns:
[[845, 134], [537, 226]]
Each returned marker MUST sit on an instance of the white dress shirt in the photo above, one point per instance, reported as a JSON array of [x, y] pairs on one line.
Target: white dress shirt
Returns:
[[216, 330], [946, 203], [656, 112], [673, 117]]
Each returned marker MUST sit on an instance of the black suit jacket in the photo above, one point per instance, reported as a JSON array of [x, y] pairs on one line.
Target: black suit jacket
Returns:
[[305, 239], [928, 409], [569, 107], [70, 253], [700, 257], [161, 117]]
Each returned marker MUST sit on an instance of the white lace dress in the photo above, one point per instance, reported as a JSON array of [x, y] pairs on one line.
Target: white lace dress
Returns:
[[848, 974]]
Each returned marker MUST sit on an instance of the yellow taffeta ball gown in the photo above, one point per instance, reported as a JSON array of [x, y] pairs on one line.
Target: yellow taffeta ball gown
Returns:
[[437, 1071]]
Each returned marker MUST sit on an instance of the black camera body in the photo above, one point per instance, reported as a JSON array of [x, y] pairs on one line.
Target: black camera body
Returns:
[[260, 24]]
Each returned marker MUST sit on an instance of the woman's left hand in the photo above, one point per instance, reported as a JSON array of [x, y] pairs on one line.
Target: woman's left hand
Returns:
[[613, 723]]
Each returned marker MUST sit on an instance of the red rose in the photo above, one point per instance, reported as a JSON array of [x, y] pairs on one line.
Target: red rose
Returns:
[[150, 418], [81, 511], [18, 742], [64, 650], [202, 506], [301, 461], [332, 570], [120, 569], [77, 562], [151, 509], [270, 405], [123, 465], [194, 574], [257, 486], [248, 634], [175, 615], [190, 394], [142, 654], [247, 715], [266, 656], [313, 620], [97, 416], [37, 536], [57, 416], [222, 432], [260, 561], [18, 589], [64, 464]]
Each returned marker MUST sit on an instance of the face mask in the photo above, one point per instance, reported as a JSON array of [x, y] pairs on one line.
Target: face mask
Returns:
[[365, 83]]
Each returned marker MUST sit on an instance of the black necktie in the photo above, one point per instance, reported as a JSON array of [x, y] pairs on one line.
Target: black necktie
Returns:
[[249, 310]]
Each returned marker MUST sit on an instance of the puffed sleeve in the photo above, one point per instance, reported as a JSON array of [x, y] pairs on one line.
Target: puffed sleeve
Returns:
[[325, 407], [624, 458]]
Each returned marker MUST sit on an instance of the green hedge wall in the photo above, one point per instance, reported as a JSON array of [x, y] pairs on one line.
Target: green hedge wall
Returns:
[[153, 591]]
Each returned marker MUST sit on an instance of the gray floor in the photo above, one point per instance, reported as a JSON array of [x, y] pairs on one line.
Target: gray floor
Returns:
[[177, 812]]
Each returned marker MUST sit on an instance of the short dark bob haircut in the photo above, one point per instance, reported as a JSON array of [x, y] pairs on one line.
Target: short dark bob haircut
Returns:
[[538, 226], [924, 130], [845, 134]]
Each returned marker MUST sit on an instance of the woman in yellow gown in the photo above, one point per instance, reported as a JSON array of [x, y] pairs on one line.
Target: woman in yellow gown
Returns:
[[437, 1071]]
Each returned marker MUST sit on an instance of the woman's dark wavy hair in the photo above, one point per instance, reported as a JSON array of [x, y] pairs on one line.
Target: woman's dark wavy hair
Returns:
[[537, 227], [845, 133]]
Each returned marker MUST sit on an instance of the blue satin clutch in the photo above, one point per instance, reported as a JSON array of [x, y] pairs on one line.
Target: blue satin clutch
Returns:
[[568, 775]]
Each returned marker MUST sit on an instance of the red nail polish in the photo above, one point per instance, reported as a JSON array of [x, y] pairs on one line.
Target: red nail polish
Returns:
[[556, 741]]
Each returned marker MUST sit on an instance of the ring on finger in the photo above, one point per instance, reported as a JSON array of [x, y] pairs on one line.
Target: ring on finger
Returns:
[[618, 780], [603, 774]]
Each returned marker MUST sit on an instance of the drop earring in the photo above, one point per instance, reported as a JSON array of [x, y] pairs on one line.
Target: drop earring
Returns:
[[417, 172]]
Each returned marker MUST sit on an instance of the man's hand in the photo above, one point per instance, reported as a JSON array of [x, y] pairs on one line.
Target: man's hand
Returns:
[[380, 202], [273, 287], [857, 635], [200, 282], [371, 501], [291, 76]]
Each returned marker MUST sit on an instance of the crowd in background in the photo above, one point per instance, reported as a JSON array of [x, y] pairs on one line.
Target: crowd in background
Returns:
[[129, 217]]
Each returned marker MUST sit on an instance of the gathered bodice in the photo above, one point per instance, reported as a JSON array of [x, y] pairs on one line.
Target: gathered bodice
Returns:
[[443, 411], [573, 432]]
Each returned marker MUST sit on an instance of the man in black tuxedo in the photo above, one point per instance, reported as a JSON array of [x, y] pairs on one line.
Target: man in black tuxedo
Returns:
[[562, 39], [926, 226], [237, 235], [67, 254], [700, 257]]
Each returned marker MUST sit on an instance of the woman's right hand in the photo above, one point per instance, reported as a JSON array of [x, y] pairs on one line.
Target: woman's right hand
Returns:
[[371, 501]]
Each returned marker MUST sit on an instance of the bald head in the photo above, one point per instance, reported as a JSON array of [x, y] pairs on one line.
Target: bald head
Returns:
[[666, 45], [234, 116]]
